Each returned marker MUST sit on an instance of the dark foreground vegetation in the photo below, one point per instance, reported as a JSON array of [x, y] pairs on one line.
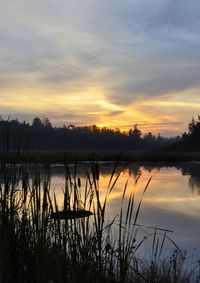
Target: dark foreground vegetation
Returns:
[[38, 248]]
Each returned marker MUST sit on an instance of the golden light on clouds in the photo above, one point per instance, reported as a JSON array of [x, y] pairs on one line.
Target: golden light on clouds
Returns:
[[172, 104], [92, 105], [107, 105], [69, 63]]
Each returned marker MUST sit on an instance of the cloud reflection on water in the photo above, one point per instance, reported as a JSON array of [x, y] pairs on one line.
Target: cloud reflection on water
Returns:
[[171, 201]]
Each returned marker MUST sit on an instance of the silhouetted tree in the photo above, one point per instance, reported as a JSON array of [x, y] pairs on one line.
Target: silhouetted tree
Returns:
[[41, 135], [190, 141], [135, 132], [47, 123], [37, 122]]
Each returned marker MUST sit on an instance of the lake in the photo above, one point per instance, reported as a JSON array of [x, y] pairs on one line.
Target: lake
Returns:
[[171, 201]]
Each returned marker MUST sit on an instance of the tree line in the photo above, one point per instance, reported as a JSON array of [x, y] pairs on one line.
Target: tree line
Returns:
[[190, 141], [41, 135]]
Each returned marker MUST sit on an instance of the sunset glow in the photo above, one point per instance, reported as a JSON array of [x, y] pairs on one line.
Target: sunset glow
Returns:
[[113, 64]]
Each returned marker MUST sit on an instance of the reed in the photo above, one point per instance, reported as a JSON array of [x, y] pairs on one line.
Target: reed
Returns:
[[36, 247]]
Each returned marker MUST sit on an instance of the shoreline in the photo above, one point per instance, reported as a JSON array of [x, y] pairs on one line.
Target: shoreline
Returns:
[[100, 155]]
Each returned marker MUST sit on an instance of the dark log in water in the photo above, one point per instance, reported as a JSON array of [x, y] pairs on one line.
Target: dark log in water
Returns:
[[71, 214]]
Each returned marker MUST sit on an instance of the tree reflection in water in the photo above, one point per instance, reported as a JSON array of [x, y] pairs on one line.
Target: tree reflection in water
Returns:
[[193, 171]]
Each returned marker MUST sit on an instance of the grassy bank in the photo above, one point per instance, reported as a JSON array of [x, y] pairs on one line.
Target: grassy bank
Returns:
[[37, 248], [126, 156]]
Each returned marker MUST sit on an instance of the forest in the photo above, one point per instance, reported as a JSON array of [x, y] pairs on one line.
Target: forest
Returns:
[[189, 141], [41, 135]]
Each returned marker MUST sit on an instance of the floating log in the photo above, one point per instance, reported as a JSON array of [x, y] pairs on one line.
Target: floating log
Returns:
[[71, 214]]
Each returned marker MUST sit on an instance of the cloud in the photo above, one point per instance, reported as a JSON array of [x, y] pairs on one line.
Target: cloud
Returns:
[[132, 50], [106, 113]]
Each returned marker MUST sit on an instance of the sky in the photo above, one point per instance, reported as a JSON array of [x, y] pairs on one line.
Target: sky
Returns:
[[112, 63]]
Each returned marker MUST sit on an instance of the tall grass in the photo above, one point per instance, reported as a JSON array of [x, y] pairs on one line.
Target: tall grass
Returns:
[[37, 248]]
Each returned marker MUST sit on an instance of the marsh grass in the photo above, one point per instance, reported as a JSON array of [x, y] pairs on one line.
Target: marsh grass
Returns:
[[38, 248]]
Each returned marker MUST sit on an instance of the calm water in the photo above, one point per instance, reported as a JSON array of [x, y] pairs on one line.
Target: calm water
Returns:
[[172, 200]]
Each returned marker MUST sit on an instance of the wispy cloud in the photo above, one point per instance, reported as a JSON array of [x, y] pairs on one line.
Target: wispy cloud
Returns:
[[126, 51]]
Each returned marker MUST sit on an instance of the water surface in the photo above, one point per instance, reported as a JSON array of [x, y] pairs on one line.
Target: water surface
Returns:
[[172, 200]]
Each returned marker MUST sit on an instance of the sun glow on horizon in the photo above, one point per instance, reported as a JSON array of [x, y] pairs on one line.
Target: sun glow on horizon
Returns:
[[91, 105], [68, 63]]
